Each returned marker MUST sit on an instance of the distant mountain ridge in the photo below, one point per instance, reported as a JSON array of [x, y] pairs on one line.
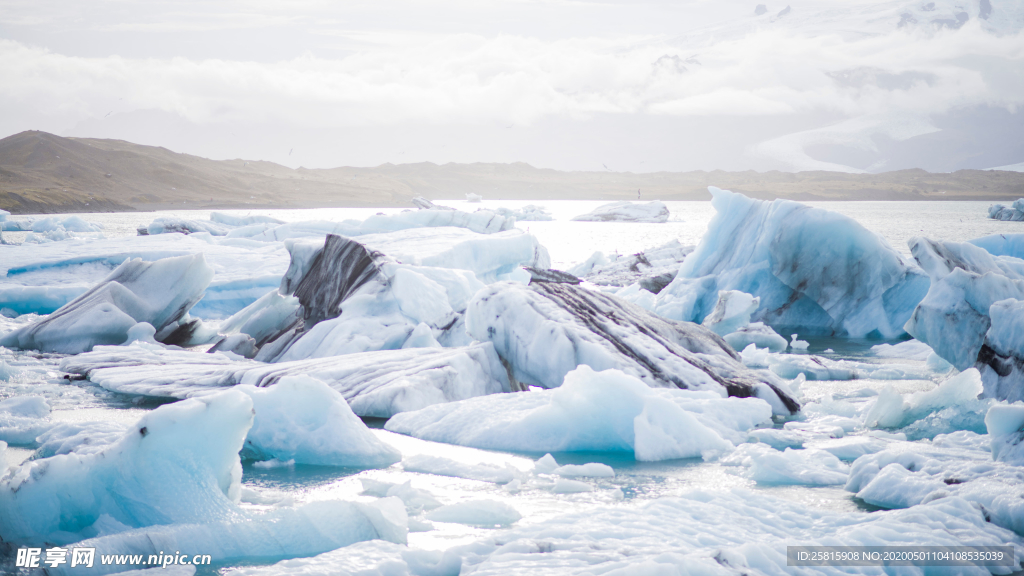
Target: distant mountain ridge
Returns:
[[44, 173]]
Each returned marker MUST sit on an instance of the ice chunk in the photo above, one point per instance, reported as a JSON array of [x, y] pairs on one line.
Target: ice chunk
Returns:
[[911, 350], [476, 513], [591, 470], [378, 384], [756, 334], [600, 411], [1001, 244], [653, 268], [798, 344], [484, 222], [892, 410], [815, 271], [627, 212], [159, 293], [470, 197], [778, 439], [283, 533], [545, 330], [179, 463], [448, 467], [768, 466], [566, 486], [1005, 424], [528, 213], [546, 464], [302, 420], [354, 299], [22, 418], [732, 312], [231, 220], [171, 224], [1014, 212]]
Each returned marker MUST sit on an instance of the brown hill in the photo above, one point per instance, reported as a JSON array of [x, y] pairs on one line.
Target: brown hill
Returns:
[[41, 173]]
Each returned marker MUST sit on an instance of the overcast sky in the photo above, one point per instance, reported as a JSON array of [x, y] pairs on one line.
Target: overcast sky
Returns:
[[847, 85]]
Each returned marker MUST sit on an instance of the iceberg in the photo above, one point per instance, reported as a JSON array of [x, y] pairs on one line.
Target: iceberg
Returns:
[[375, 384], [815, 271], [1014, 212], [178, 464], [545, 330], [306, 530], [655, 212], [971, 314], [528, 213], [303, 420], [653, 269], [606, 411], [1001, 244], [157, 293], [768, 466]]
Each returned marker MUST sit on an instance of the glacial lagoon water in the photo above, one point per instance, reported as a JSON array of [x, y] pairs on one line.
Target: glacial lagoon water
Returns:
[[635, 484]]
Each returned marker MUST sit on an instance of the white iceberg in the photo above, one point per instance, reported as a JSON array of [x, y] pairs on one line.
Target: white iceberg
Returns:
[[303, 420], [545, 330], [653, 268], [625, 211], [528, 213], [815, 271], [157, 293], [377, 384], [592, 411]]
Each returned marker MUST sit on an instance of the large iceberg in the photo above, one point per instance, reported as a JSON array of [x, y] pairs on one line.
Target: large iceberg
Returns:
[[545, 330], [624, 211], [972, 312], [815, 271], [350, 298], [156, 293], [377, 384], [592, 411]]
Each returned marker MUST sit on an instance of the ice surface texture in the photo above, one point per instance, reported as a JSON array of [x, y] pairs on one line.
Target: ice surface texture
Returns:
[[157, 293], [600, 411], [815, 271], [377, 384], [655, 212], [545, 330]]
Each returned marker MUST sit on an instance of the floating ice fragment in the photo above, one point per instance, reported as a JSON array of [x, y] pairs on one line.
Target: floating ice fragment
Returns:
[[476, 513], [626, 211], [448, 467], [798, 344], [302, 420], [590, 470]]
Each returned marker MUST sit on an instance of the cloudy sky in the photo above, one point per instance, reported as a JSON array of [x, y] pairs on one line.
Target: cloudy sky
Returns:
[[849, 85]]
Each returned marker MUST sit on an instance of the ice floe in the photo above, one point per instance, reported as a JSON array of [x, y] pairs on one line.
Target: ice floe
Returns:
[[600, 411], [377, 384], [1013, 212], [624, 211]]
